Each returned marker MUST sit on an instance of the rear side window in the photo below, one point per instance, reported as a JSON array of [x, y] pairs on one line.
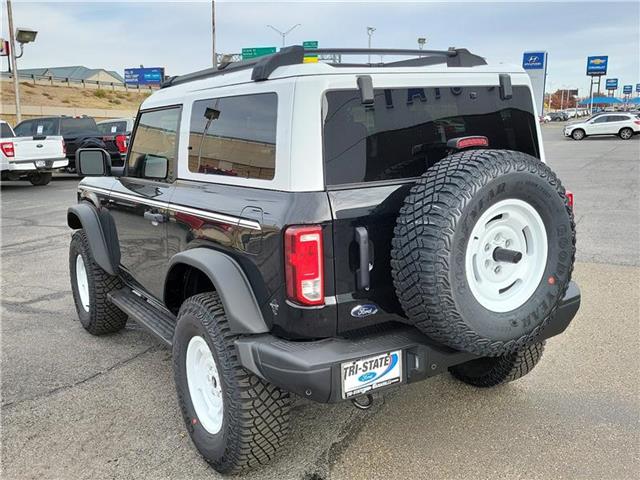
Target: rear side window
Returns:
[[5, 131], [24, 129], [72, 126], [154, 147], [112, 128], [406, 130], [618, 118], [234, 136]]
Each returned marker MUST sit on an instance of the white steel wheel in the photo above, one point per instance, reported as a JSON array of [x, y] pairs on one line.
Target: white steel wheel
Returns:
[[204, 385], [513, 226], [82, 282]]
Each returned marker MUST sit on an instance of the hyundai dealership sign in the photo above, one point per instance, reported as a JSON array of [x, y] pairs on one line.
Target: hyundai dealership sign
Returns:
[[535, 64]]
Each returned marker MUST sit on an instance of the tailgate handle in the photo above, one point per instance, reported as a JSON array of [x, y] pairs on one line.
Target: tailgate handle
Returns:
[[362, 238]]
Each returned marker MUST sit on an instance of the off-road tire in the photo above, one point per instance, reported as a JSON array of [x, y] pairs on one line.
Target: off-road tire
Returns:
[[492, 371], [578, 134], [255, 413], [625, 133], [103, 317], [431, 236], [40, 178]]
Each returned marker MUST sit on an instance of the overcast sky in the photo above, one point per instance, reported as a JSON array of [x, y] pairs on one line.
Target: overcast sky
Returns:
[[177, 35]]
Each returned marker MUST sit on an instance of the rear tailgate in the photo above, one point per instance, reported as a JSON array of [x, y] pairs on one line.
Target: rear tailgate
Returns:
[[38, 148]]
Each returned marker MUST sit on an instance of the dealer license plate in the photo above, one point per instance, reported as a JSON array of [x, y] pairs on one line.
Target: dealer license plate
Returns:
[[41, 164], [361, 376]]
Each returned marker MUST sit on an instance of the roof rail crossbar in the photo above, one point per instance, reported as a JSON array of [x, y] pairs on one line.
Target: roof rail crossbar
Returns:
[[454, 57]]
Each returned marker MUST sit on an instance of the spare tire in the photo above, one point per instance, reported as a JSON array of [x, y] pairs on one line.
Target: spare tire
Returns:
[[483, 250]]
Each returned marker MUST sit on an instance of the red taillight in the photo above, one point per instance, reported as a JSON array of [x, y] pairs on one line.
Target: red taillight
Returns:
[[64, 148], [569, 195], [303, 254], [121, 143], [637, 122], [7, 149]]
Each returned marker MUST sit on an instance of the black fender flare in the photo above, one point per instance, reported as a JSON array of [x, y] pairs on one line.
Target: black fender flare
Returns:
[[101, 234], [232, 285]]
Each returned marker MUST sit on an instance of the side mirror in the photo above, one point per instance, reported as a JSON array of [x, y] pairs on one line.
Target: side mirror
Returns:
[[93, 162], [154, 167]]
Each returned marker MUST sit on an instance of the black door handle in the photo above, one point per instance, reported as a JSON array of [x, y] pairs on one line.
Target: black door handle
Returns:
[[154, 218], [362, 238]]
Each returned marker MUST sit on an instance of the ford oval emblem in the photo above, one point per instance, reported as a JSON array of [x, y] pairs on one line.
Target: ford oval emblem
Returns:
[[365, 377], [361, 311]]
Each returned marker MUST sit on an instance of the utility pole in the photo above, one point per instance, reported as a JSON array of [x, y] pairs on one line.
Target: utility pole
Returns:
[[284, 34], [213, 33], [12, 60], [370, 31]]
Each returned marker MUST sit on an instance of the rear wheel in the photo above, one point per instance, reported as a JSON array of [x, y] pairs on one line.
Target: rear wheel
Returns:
[[236, 420], [578, 134], [626, 133], [40, 178], [483, 251], [492, 371]]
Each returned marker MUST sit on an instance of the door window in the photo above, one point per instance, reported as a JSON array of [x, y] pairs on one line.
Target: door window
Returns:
[[601, 119], [154, 148]]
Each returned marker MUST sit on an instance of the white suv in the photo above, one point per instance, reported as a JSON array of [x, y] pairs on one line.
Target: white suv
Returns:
[[625, 125]]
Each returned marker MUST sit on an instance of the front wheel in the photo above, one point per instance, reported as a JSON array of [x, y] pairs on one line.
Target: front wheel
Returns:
[[236, 420], [626, 133], [40, 178], [90, 285], [577, 134], [492, 371]]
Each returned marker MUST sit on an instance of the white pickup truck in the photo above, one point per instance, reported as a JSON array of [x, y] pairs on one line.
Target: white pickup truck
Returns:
[[30, 158]]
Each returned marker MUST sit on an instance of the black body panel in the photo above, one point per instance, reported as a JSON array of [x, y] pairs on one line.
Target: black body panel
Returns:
[[375, 208], [258, 251]]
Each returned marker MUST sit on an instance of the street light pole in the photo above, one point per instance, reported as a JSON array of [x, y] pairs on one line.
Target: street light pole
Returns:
[[284, 34], [213, 33], [12, 60], [370, 31]]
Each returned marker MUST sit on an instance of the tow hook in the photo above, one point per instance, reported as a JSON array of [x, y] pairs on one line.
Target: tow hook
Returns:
[[363, 402]]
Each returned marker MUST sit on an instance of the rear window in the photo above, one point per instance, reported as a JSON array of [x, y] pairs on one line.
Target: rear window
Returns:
[[406, 130], [71, 126], [112, 128], [234, 136], [5, 131]]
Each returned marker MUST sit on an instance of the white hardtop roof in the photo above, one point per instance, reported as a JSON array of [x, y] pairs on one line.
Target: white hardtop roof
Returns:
[[174, 94]]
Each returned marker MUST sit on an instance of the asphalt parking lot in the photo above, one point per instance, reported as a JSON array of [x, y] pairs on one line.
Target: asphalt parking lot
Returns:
[[77, 406]]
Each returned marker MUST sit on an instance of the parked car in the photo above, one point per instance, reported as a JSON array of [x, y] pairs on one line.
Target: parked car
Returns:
[[78, 132], [558, 116], [118, 130], [624, 125], [294, 228], [29, 158]]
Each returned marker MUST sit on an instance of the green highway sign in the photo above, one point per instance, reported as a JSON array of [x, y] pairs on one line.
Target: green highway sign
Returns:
[[310, 57], [254, 52]]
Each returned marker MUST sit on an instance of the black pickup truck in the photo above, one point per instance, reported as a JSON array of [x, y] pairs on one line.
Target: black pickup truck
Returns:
[[77, 132]]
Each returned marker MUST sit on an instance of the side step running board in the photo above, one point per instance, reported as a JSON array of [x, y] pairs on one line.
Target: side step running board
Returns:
[[161, 324]]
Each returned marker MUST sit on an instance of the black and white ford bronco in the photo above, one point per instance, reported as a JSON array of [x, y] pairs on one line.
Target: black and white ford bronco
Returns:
[[328, 230]]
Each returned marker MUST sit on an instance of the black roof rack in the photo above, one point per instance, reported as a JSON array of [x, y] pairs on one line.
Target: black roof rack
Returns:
[[264, 66]]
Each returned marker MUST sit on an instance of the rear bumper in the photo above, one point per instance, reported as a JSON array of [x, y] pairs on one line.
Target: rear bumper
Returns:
[[31, 166], [312, 370]]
